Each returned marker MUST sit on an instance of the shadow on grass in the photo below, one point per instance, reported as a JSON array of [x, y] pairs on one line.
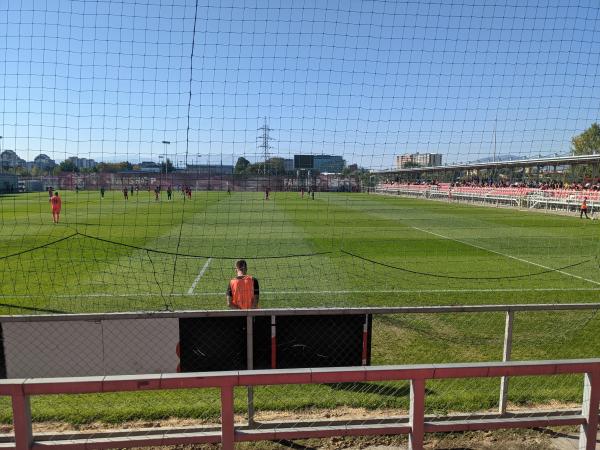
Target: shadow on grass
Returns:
[[31, 308]]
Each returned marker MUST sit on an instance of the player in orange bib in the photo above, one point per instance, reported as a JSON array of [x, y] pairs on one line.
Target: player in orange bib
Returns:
[[584, 208], [243, 290], [56, 204]]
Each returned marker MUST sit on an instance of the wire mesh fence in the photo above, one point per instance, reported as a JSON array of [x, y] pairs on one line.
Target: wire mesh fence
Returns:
[[204, 341]]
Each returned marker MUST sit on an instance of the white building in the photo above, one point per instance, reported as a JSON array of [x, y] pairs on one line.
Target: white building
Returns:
[[418, 160], [82, 163]]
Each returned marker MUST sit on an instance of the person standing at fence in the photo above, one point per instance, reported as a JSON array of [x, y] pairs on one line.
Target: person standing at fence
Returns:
[[56, 204], [243, 290], [584, 209]]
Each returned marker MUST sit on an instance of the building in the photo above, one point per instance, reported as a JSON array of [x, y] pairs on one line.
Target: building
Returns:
[[44, 162], [319, 163], [10, 160], [418, 160], [82, 163], [31, 185], [329, 163], [149, 167], [212, 170], [8, 183], [288, 164]]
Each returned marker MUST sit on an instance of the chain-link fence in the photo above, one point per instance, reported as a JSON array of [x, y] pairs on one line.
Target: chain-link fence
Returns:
[[204, 341]]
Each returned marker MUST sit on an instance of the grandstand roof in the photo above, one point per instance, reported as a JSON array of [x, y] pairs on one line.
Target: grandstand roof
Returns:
[[534, 162]]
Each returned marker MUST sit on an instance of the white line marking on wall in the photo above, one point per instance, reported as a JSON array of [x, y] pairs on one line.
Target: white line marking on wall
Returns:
[[200, 274]]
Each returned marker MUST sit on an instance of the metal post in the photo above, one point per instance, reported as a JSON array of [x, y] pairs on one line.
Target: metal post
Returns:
[[22, 421], [250, 365], [508, 330], [365, 337], [589, 410], [417, 415], [273, 342], [227, 422]]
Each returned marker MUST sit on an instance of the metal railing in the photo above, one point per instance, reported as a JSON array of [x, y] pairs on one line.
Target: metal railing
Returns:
[[415, 425], [533, 201], [103, 321]]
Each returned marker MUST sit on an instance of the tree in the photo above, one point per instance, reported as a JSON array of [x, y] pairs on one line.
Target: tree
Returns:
[[588, 142], [113, 167], [274, 166], [68, 166], [169, 166], [241, 165]]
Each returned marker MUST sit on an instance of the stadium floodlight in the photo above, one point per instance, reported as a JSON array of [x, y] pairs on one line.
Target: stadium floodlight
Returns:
[[166, 159]]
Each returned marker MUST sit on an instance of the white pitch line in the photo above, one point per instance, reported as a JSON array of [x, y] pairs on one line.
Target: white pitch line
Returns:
[[381, 291], [507, 255], [204, 267]]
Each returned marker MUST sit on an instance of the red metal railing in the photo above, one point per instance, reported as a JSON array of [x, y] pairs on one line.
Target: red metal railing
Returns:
[[416, 426]]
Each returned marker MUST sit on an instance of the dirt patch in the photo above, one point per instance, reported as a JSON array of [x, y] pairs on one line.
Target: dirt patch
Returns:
[[499, 439]]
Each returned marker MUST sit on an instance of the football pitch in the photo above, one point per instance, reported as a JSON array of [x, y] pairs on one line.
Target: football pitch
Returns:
[[336, 250]]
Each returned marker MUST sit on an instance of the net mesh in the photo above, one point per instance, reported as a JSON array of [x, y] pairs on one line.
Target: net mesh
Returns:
[[183, 135]]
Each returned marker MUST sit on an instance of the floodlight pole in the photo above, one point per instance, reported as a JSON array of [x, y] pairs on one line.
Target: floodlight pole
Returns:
[[160, 157], [166, 159]]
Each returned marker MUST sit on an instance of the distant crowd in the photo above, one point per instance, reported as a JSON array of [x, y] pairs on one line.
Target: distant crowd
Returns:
[[530, 184]]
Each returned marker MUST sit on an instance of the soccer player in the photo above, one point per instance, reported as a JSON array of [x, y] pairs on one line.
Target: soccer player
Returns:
[[56, 204], [169, 192], [584, 208], [243, 290], [126, 193], [267, 192]]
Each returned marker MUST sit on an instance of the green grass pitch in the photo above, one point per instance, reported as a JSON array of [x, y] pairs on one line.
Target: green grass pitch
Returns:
[[121, 256], [452, 254]]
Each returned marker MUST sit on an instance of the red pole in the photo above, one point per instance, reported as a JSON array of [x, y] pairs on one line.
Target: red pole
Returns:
[[273, 343], [227, 425], [365, 340]]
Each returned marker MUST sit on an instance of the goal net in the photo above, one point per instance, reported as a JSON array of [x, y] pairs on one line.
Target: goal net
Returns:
[[353, 153]]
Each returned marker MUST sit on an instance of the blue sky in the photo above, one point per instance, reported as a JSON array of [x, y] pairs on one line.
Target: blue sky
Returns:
[[363, 79]]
